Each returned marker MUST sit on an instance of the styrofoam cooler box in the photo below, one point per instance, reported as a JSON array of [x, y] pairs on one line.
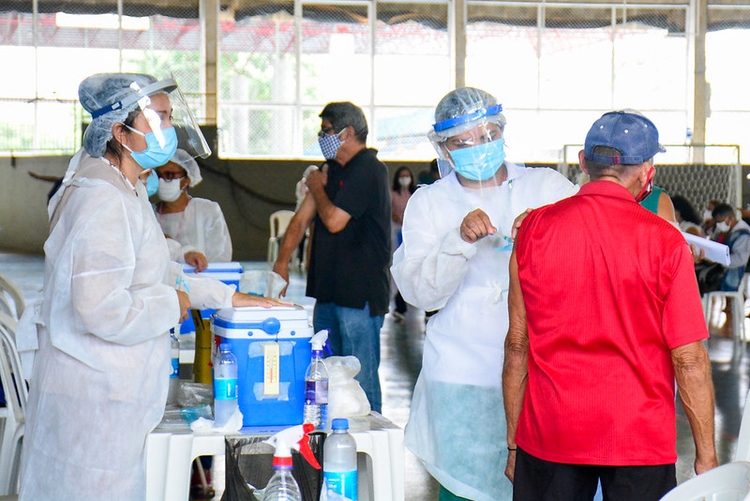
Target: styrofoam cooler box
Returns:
[[229, 273], [273, 350]]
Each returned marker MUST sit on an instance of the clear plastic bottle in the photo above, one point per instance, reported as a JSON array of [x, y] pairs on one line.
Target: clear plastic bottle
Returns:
[[225, 385], [282, 486], [340, 463], [174, 377], [316, 384]]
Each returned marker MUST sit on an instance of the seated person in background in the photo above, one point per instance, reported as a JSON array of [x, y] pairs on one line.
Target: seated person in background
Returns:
[[735, 233], [708, 219], [687, 217], [195, 228]]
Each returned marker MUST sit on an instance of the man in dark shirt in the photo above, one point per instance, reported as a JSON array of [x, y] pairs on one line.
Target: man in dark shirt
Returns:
[[349, 204]]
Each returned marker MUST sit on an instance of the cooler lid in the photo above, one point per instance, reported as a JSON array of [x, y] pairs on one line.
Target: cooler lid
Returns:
[[229, 317], [232, 267]]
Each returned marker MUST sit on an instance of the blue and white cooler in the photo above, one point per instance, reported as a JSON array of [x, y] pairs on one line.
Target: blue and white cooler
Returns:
[[272, 347], [229, 273]]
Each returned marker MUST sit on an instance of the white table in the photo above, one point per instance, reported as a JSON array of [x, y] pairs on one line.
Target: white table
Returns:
[[171, 452]]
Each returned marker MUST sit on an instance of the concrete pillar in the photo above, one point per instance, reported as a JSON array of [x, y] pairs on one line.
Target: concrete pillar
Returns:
[[209, 19]]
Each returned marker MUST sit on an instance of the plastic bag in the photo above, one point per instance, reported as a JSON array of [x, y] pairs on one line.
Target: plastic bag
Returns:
[[346, 398], [262, 283]]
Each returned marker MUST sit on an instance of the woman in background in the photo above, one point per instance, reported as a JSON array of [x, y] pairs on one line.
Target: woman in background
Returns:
[[401, 190]]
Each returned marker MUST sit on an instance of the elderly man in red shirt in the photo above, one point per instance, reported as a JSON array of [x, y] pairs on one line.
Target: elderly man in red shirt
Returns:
[[604, 316]]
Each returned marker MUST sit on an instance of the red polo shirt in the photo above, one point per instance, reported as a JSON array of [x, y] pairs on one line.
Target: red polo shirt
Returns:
[[609, 290]]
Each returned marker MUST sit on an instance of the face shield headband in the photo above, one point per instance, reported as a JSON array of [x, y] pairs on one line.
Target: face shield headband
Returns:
[[469, 117]]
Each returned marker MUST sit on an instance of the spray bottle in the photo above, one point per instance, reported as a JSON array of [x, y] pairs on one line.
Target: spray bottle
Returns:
[[282, 486], [316, 384]]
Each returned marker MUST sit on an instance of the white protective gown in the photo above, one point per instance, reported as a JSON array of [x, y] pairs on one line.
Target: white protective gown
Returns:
[[457, 421], [100, 376], [200, 227]]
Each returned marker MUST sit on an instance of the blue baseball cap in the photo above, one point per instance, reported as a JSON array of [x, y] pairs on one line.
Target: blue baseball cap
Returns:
[[628, 131]]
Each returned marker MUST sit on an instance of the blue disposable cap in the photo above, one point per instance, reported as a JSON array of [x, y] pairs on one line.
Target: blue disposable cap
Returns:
[[340, 424], [469, 117]]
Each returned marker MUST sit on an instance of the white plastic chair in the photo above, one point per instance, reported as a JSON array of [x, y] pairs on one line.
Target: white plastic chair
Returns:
[[742, 453], [736, 300], [14, 412], [729, 482], [278, 222], [11, 298]]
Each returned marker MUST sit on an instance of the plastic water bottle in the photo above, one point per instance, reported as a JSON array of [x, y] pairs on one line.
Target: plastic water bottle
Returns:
[[225, 385], [340, 463], [282, 486], [174, 377], [316, 384]]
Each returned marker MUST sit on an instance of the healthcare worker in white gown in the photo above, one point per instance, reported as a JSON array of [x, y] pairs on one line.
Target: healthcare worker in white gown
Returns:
[[454, 258], [196, 231], [100, 376]]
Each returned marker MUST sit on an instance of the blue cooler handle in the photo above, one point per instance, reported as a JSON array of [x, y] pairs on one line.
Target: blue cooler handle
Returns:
[[270, 325]]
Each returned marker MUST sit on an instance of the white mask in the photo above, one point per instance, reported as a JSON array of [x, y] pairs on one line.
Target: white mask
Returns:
[[722, 227], [404, 181], [707, 214], [169, 191]]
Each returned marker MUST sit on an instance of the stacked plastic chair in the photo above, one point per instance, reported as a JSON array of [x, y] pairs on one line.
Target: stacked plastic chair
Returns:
[[12, 302], [14, 413], [278, 222], [736, 301]]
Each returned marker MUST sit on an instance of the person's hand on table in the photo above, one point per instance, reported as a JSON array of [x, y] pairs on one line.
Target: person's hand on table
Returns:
[[242, 299], [197, 260]]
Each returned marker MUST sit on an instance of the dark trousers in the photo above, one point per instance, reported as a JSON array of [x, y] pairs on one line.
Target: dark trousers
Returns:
[[538, 480]]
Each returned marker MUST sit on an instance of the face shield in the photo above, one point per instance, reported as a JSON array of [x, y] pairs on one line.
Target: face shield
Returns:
[[468, 137], [164, 107]]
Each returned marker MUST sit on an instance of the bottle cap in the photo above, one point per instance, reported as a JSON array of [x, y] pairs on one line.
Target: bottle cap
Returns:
[[225, 347], [340, 424]]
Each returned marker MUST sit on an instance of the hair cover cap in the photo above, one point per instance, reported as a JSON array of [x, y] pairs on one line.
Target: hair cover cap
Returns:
[[187, 162], [104, 89], [463, 109], [628, 131]]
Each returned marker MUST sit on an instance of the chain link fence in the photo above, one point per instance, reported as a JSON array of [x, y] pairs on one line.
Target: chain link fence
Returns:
[[698, 173], [555, 66]]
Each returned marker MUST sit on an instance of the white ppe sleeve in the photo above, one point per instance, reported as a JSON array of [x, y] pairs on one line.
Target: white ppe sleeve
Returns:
[[110, 299], [428, 267]]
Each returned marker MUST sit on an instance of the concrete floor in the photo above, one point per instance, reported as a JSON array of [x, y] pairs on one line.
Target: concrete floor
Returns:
[[401, 355]]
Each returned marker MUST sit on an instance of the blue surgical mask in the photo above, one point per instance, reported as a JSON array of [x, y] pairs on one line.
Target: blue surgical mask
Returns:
[[480, 162], [152, 183], [329, 145], [155, 155]]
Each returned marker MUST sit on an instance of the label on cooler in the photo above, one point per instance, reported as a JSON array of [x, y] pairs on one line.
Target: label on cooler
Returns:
[[316, 392], [175, 368], [225, 389], [341, 483], [271, 369]]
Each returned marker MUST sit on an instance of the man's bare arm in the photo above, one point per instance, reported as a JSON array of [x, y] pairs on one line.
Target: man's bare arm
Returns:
[[515, 367], [293, 236], [692, 369]]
